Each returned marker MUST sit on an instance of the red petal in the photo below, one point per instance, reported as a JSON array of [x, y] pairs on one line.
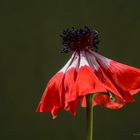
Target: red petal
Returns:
[[70, 90], [104, 100], [87, 82], [60, 90], [53, 96], [126, 77], [122, 80]]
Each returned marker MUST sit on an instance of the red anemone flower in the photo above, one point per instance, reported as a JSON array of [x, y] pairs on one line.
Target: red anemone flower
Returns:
[[86, 72]]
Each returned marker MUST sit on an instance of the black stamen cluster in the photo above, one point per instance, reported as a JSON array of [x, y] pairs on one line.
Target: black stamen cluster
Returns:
[[79, 39]]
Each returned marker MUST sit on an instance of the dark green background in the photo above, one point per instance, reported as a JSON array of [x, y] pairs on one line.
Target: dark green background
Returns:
[[29, 56]]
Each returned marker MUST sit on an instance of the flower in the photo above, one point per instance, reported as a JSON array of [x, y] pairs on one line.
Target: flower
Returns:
[[113, 84]]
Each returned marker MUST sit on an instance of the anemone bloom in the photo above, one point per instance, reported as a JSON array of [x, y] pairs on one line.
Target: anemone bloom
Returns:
[[113, 84]]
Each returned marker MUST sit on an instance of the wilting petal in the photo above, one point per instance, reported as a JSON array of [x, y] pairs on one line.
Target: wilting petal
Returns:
[[87, 81], [53, 98], [126, 77], [122, 80]]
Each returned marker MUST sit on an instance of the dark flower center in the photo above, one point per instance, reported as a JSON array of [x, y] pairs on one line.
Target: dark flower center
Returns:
[[79, 39]]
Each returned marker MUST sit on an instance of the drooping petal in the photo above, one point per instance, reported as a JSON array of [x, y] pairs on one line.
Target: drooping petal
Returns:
[[53, 98], [69, 86], [87, 82], [126, 77], [122, 80]]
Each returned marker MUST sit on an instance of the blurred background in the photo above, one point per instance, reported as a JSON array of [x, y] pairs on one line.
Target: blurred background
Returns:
[[30, 55]]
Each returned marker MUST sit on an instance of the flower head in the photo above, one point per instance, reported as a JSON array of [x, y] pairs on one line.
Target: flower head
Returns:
[[86, 72]]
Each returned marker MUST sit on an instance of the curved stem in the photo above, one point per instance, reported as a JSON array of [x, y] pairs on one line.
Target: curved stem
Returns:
[[89, 111]]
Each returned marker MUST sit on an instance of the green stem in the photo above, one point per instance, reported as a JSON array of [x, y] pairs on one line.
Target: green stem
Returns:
[[89, 111]]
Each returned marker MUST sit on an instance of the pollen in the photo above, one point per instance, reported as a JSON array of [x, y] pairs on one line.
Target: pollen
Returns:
[[79, 39]]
